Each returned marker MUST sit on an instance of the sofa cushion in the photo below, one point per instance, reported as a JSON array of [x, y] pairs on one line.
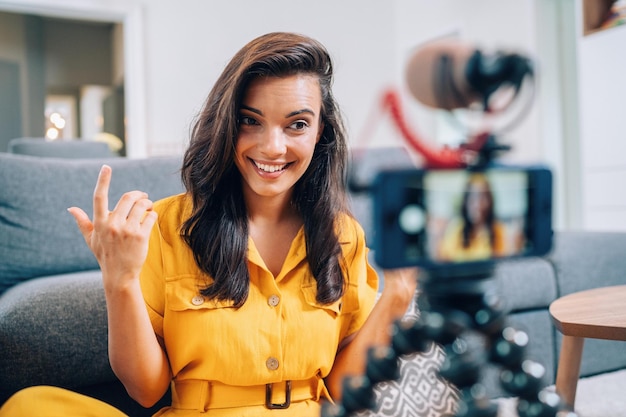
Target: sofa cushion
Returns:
[[39, 236], [53, 331], [588, 259], [60, 148], [525, 283]]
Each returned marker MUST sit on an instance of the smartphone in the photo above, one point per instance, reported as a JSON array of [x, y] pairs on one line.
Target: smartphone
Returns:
[[446, 217]]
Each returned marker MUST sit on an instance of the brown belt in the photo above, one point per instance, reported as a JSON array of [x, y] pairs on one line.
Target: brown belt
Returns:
[[204, 395]]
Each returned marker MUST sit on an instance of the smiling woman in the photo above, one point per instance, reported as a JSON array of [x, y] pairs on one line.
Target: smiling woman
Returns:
[[274, 139], [224, 300], [279, 128]]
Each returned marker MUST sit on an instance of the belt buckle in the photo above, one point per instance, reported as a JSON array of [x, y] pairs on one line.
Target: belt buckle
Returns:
[[268, 397]]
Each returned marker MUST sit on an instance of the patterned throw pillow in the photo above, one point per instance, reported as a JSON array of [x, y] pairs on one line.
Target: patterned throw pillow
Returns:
[[420, 391]]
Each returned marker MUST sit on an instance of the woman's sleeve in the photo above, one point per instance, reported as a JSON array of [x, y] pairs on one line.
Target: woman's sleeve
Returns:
[[152, 281], [362, 280]]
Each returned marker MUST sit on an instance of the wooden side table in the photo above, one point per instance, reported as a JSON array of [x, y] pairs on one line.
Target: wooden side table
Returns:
[[598, 313]]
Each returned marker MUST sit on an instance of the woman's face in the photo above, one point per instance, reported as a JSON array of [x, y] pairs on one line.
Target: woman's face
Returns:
[[478, 202], [279, 126]]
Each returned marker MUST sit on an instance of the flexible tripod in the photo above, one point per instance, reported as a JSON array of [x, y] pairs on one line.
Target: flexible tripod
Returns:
[[454, 306]]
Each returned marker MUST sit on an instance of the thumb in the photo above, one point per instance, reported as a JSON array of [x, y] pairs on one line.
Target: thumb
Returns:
[[82, 220]]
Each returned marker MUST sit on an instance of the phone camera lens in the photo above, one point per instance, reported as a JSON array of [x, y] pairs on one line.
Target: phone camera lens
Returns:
[[412, 219]]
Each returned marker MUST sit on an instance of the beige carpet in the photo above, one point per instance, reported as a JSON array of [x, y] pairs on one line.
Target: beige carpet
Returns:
[[598, 396]]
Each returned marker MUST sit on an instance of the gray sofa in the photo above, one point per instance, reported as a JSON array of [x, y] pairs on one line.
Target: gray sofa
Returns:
[[52, 310], [77, 148]]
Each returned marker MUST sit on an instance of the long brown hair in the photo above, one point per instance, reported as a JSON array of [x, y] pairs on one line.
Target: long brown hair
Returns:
[[217, 230], [490, 219]]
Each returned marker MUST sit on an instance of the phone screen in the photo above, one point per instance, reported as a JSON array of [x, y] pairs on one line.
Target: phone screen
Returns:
[[460, 216]]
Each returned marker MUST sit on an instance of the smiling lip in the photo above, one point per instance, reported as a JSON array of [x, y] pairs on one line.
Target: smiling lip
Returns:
[[270, 168]]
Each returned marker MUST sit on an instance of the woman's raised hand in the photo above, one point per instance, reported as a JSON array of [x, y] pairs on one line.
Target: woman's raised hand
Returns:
[[118, 238], [401, 283]]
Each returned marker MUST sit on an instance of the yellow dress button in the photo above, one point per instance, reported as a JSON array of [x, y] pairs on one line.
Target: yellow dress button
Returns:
[[272, 364], [273, 300], [197, 300]]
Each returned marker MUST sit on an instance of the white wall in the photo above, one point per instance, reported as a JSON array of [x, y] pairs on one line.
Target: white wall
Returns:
[[370, 41], [507, 25], [184, 45], [187, 43], [183, 62], [178, 48], [602, 92], [582, 116]]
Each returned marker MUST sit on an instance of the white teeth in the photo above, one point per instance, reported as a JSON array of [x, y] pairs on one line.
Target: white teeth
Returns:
[[270, 168]]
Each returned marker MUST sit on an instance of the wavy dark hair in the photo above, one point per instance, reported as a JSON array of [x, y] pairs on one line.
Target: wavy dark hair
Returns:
[[217, 230], [468, 224]]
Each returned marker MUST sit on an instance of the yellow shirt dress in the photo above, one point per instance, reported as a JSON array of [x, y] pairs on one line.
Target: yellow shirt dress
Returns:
[[481, 247], [227, 360]]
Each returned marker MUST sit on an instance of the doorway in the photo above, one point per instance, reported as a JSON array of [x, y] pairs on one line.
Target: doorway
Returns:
[[129, 18], [10, 103]]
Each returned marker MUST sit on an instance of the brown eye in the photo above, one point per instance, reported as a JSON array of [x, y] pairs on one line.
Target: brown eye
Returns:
[[247, 120], [299, 125]]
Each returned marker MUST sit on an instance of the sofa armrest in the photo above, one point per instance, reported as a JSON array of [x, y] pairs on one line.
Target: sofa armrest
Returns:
[[53, 330]]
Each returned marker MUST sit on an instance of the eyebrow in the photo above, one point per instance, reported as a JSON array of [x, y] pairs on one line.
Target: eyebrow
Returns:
[[291, 114]]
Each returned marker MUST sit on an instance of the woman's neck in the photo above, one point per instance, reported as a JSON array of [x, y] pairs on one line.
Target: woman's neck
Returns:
[[270, 210], [273, 224]]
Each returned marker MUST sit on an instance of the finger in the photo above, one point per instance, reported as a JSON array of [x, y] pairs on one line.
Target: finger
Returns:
[[126, 204], [139, 211], [101, 195], [149, 220], [82, 220]]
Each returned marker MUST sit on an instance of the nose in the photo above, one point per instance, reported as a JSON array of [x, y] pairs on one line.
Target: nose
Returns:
[[273, 143]]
